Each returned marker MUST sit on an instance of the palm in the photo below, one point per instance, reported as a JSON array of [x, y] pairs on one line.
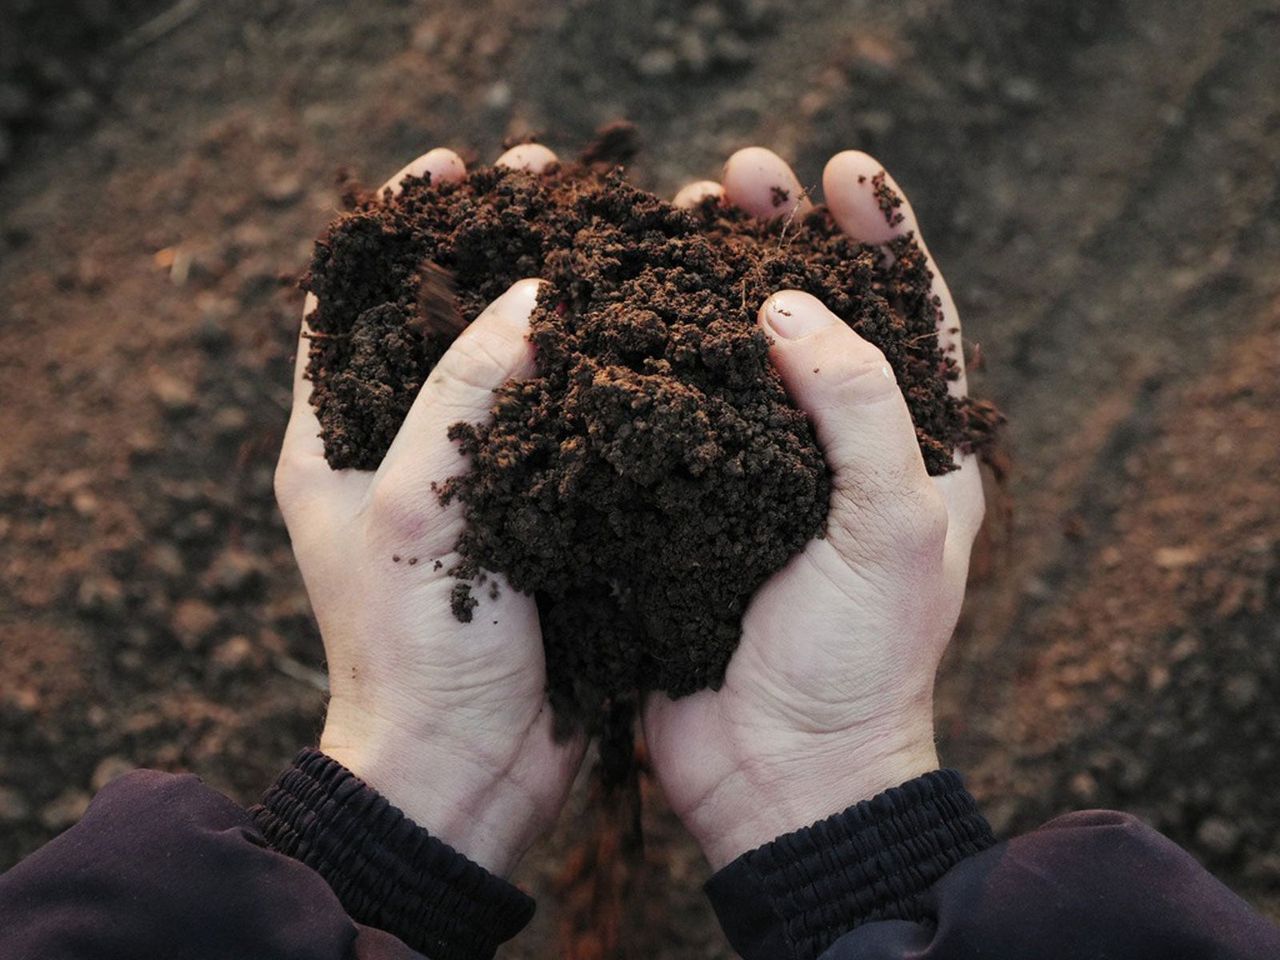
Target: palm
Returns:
[[838, 648]]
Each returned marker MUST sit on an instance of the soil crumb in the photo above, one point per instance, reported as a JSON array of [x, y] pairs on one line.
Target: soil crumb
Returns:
[[652, 473]]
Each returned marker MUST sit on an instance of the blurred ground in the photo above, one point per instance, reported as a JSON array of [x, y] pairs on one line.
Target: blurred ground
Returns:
[[1098, 180]]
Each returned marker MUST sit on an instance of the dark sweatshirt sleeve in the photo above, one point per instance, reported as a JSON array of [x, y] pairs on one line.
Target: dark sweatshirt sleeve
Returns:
[[324, 869], [914, 874]]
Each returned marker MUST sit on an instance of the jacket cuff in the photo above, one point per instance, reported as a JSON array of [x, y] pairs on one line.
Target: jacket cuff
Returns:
[[387, 871], [793, 898]]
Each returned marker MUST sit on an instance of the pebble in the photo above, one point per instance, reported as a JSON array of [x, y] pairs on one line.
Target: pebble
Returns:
[[100, 595], [1217, 835], [174, 394], [236, 654], [283, 191], [108, 769], [659, 62], [1240, 692], [64, 810], [233, 571], [193, 620], [13, 808], [15, 102]]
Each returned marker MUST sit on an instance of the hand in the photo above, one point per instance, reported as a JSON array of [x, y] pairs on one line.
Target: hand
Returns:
[[829, 697], [448, 720]]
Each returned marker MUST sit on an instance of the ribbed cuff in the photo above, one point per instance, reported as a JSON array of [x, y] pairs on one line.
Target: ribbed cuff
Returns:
[[387, 871], [793, 898]]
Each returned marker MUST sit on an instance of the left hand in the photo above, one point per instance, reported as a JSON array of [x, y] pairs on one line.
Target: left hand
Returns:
[[448, 720]]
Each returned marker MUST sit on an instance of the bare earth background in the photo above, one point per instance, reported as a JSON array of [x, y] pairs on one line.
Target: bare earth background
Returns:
[[1099, 181]]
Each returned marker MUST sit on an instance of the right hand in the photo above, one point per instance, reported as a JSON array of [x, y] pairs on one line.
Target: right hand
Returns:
[[828, 699], [448, 720]]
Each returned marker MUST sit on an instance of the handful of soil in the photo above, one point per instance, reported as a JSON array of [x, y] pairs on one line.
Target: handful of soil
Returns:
[[653, 473]]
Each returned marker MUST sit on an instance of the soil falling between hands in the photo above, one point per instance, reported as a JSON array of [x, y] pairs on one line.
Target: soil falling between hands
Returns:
[[652, 473]]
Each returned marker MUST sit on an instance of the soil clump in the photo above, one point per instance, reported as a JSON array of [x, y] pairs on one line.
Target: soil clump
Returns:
[[652, 473]]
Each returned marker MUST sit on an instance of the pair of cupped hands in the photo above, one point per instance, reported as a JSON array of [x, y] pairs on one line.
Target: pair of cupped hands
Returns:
[[828, 699]]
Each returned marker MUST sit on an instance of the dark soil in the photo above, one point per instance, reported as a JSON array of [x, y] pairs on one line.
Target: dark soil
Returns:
[[653, 473], [1096, 180]]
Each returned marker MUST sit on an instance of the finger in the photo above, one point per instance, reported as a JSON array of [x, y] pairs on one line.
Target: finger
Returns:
[[858, 412], [868, 205], [493, 349], [442, 164], [302, 472], [692, 194], [761, 182], [533, 157]]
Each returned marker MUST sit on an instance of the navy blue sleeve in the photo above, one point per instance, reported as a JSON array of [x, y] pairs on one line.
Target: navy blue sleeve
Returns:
[[324, 869], [914, 874]]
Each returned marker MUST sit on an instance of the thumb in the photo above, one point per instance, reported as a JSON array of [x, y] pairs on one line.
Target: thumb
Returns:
[[858, 412], [494, 348]]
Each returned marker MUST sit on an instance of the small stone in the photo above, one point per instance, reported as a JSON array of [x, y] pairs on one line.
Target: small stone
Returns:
[[84, 503], [1084, 787], [1174, 558], [1265, 868], [172, 392], [64, 810], [1022, 91], [233, 572], [73, 111], [193, 621], [1187, 645], [15, 102], [693, 52], [230, 421], [108, 769], [166, 559], [13, 808], [283, 191], [1218, 835], [235, 654], [498, 96], [659, 62], [1240, 692], [100, 595]]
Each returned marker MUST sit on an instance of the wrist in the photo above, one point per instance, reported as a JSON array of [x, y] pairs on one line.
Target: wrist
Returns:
[[446, 795], [816, 778]]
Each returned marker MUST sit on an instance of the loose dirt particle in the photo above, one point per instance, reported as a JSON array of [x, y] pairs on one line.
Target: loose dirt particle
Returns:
[[888, 199]]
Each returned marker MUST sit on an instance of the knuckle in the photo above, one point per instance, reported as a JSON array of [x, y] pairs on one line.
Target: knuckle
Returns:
[[472, 363], [919, 515], [286, 482], [889, 517], [863, 376], [399, 513]]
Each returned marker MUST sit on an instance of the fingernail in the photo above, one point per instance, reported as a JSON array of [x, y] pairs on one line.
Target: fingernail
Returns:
[[794, 317]]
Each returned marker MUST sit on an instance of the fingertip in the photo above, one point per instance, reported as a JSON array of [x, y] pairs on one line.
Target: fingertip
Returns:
[[531, 157], [815, 351], [693, 194], [763, 184], [864, 199], [795, 315], [442, 164], [519, 299]]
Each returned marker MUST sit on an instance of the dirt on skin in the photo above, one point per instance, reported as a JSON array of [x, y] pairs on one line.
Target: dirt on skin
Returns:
[[652, 473]]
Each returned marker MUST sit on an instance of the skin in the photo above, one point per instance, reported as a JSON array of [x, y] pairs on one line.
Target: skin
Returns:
[[829, 697]]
